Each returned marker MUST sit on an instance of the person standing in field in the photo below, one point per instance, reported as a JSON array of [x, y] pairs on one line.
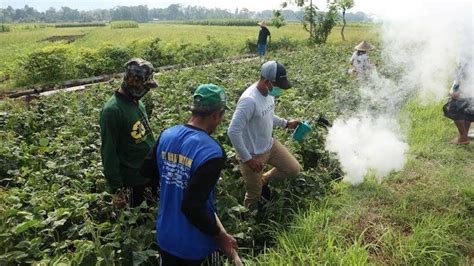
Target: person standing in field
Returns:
[[262, 38], [460, 107], [189, 162], [251, 134], [126, 135], [360, 60]]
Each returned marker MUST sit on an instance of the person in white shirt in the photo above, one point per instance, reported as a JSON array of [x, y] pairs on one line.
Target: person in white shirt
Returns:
[[250, 132], [360, 60]]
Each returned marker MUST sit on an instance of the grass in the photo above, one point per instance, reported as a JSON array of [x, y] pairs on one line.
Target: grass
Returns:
[[422, 215], [17, 43]]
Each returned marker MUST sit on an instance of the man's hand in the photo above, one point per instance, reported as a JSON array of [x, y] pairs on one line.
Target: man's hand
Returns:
[[236, 259], [119, 199], [255, 165], [293, 124], [227, 244]]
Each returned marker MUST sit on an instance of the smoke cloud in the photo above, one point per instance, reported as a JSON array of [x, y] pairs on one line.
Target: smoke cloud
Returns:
[[421, 52]]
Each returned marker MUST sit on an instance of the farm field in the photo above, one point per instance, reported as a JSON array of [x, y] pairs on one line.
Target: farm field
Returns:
[[54, 208], [18, 44]]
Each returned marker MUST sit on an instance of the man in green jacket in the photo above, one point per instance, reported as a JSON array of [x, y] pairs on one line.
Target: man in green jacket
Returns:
[[127, 136]]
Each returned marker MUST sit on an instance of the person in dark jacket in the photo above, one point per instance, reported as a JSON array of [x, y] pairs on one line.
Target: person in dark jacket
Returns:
[[188, 166], [126, 135], [262, 38], [460, 107]]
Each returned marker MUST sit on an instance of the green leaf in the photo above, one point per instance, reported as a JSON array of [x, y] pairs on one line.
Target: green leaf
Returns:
[[240, 235], [14, 255], [43, 142], [51, 164], [26, 225], [59, 223], [239, 208], [139, 257]]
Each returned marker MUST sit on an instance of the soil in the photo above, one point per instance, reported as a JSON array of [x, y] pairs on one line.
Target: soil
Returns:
[[67, 38]]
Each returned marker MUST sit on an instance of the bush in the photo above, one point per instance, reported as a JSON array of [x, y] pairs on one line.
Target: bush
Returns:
[[110, 59], [125, 24], [222, 22], [281, 44], [79, 25], [160, 54], [4, 28], [156, 54], [88, 63], [45, 66]]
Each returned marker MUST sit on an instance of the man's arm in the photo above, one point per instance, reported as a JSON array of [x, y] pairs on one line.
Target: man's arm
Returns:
[[279, 122], [109, 132], [194, 207], [201, 184], [242, 115]]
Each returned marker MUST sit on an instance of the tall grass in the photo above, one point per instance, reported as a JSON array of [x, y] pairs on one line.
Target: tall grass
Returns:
[[4, 28], [79, 25], [125, 24], [221, 22], [420, 216]]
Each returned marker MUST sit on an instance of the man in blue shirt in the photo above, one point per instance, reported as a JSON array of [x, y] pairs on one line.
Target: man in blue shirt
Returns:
[[189, 162]]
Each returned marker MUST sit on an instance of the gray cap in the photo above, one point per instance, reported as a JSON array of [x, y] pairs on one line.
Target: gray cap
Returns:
[[275, 72], [142, 70]]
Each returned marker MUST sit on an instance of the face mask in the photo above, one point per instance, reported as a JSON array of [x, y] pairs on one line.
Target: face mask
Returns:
[[136, 92], [275, 92]]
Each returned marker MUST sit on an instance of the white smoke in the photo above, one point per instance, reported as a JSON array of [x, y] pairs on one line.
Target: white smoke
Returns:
[[366, 144], [424, 49], [429, 45]]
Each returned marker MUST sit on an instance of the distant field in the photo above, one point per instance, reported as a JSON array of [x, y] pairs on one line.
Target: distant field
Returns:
[[25, 38], [17, 43]]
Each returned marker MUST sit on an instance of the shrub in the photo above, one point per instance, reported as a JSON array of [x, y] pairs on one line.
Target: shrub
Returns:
[[4, 28], [156, 54], [45, 66], [124, 24], [79, 25], [112, 58], [222, 22], [281, 44], [88, 63]]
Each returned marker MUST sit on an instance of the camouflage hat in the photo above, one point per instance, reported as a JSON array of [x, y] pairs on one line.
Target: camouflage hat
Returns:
[[210, 95], [141, 69]]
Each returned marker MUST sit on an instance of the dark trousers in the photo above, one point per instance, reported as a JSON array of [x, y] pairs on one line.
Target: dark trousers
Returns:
[[139, 194], [167, 259]]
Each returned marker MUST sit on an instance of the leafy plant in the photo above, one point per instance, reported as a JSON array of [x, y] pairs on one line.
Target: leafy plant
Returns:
[[123, 24]]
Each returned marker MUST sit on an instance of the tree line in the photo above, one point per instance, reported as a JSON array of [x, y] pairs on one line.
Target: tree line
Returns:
[[142, 13]]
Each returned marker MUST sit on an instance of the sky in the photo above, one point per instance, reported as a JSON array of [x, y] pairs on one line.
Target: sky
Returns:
[[383, 8]]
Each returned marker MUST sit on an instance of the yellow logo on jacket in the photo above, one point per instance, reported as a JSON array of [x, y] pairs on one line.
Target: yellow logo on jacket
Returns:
[[138, 130]]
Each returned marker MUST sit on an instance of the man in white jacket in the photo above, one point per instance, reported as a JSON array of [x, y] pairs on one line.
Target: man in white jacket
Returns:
[[250, 132]]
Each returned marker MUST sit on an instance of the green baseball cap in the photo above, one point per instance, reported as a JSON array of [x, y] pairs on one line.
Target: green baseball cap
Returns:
[[209, 95]]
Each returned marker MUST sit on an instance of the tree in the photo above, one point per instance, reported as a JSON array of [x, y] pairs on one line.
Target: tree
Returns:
[[318, 24], [344, 5], [278, 20]]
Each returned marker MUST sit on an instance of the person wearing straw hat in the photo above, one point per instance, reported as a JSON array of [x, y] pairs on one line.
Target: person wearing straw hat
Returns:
[[262, 38], [251, 134], [360, 60], [188, 162]]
